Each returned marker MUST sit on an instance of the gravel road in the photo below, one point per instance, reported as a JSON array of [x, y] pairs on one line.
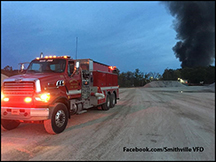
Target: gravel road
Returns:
[[146, 124]]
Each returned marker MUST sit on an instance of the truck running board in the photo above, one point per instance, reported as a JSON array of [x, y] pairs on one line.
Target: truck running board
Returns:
[[80, 112]]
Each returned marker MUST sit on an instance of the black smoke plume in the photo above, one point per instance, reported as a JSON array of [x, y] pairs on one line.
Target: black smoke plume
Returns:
[[195, 26]]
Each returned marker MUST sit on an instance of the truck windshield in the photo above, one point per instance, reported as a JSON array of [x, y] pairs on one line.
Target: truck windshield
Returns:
[[47, 66]]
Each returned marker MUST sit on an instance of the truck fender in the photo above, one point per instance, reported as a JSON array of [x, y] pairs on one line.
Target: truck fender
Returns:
[[63, 100], [99, 95]]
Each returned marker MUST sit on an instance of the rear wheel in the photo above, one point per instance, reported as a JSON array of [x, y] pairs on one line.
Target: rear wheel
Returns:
[[113, 100], [9, 124], [58, 121], [106, 105]]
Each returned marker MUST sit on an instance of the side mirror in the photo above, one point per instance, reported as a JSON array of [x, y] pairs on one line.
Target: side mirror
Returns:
[[22, 68], [76, 69], [77, 66]]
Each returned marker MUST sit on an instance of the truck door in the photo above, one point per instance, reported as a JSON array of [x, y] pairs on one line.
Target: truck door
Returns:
[[73, 82]]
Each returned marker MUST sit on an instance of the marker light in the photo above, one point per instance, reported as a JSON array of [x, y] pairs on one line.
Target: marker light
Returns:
[[112, 67], [28, 99]]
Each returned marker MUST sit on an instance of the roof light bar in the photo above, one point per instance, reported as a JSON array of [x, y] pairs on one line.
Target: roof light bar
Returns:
[[46, 57]]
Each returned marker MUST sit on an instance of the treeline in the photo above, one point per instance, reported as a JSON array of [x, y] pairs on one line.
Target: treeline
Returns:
[[194, 76], [136, 78], [8, 71]]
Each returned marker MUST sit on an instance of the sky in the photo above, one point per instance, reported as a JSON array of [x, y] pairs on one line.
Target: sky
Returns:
[[127, 34]]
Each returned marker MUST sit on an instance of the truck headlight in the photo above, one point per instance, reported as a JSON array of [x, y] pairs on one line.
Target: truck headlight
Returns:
[[43, 97]]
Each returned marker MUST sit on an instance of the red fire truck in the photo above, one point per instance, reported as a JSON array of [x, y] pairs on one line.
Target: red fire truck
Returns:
[[55, 87]]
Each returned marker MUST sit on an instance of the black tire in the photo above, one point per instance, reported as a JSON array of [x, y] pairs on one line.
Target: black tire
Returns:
[[58, 121], [106, 105], [113, 100], [9, 124]]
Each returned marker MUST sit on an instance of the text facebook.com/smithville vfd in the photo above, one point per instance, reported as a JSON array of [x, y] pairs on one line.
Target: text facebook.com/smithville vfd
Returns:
[[163, 149]]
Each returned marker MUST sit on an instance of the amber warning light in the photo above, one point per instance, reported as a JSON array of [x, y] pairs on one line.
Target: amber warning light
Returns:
[[28, 99], [112, 67]]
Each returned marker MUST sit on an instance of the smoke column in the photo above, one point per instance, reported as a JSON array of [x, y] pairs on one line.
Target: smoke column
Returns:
[[195, 26]]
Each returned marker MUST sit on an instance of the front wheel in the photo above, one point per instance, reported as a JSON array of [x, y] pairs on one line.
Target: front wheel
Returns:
[[9, 124], [58, 121]]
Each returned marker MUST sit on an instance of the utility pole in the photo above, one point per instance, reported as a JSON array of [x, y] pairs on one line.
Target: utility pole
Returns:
[[76, 46]]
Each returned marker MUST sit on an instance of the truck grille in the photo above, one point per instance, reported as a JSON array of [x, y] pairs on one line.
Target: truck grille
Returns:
[[18, 89]]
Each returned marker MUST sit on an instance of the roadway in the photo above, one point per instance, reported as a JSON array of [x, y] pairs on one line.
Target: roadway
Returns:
[[146, 124]]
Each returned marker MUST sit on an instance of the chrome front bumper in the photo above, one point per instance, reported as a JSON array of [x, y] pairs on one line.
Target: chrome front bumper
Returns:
[[26, 114]]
